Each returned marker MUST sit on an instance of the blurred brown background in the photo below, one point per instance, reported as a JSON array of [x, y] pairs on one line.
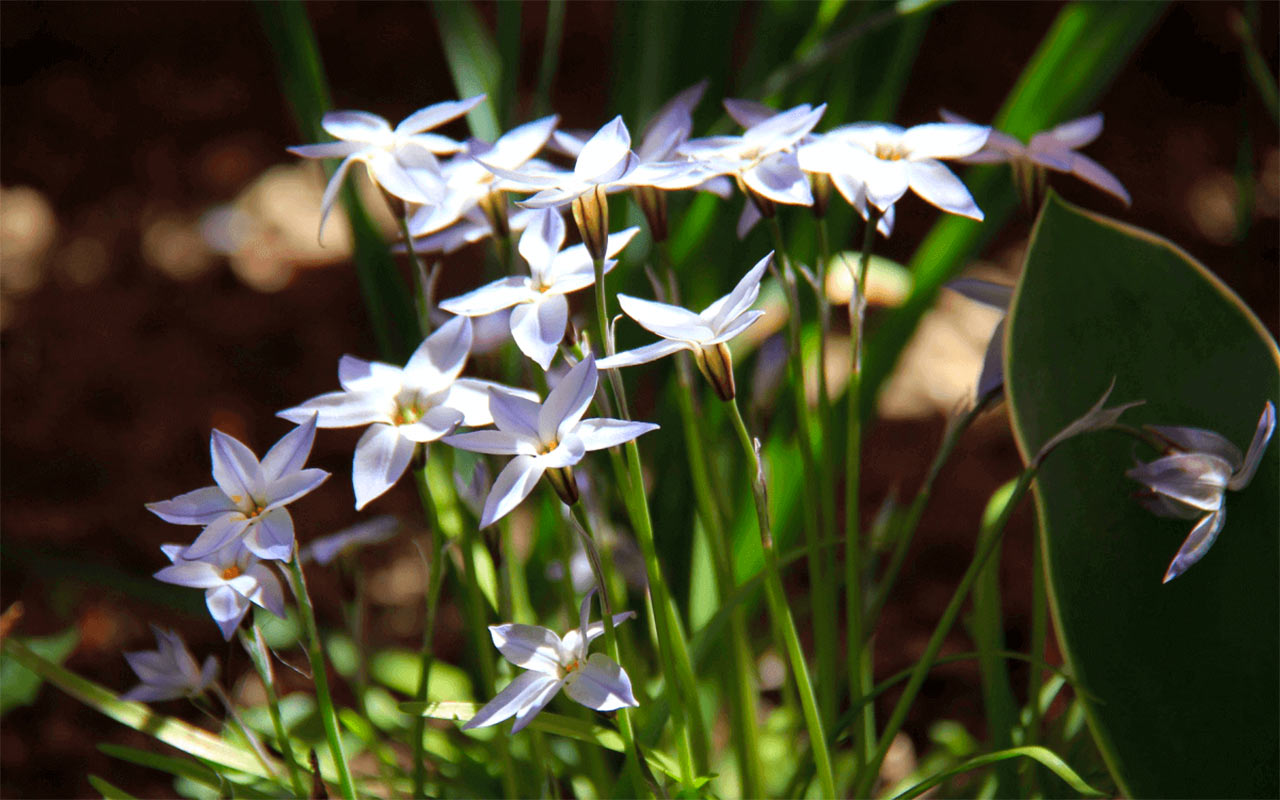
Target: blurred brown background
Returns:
[[159, 276]]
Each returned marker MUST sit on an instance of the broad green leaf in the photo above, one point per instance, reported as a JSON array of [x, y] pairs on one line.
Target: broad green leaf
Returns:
[[19, 685], [1040, 754], [549, 723], [189, 739], [1081, 53], [1184, 673]]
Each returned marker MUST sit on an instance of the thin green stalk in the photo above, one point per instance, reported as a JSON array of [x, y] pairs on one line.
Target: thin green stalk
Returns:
[[820, 602], [824, 593], [779, 609], [435, 577], [258, 654], [422, 276], [315, 652], [672, 649], [990, 539], [859, 677], [255, 744], [911, 521], [1035, 675], [987, 631], [550, 57]]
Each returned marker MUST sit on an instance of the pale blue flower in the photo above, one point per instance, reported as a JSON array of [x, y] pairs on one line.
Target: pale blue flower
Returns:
[[169, 671], [232, 579]]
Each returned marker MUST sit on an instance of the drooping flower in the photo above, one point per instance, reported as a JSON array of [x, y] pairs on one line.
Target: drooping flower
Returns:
[[997, 296], [546, 438], [249, 498], [541, 311], [232, 578], [554, 663], [468, 185], [401, 160], [1053, 149], [403, 406], [705, 333], [1192, 478], [877, 163], [169, 671]]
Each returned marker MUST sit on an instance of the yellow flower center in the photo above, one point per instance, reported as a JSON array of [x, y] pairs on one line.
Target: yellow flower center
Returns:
[[889, 152], [231, 572], [406, 415]]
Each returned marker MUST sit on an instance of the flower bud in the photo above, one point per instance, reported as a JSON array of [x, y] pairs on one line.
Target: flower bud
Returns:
[[820, 185], [494, 206], [591, 212], [716, 365], [764, 205], [561, 479], [653, 203]]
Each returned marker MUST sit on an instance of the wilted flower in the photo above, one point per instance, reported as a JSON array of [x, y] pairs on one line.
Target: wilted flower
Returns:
[[544, 438], [248, 502], [232, 579], [1052, 149], [403, 407], [1191, 480], [997, 296], [402, 161], [553, 663], [169, 671], [881, 162], [541, 311], [704, 334]]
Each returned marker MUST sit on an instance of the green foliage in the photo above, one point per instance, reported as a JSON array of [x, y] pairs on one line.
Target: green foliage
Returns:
[[1184, 674], [19, 685]]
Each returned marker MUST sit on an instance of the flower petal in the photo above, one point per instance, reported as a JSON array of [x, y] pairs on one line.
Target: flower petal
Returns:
[[498, 443], [568, 401], [437, 114], [524, 692], [731, 306], [1199, 440], [437, 422], [643, 355], [292, 486], [541, 241], [736, 327], [522, 143], [600, 433], [266, 590], [514, 414], [491, 297], [512, 486], [938, 186], [603, 152], [227, 607], [193, 574], [780, 179], [291, 452], [1090, 171], [471, 397], [235, 468], [991, 378], [199, 507], [600, 684], [331, 192], [217, 535], [382, 456], [358, 375], [409, 185], [538, 327], [943, 140], [440, 357], [341, 409], [667, 321], [270, 536], [885, 181], [530, 646], [1261, 435], [1197, 479], [671, 124], [326, 149], [355, 126], [568, 452], [1197, 543], [1078, 132]]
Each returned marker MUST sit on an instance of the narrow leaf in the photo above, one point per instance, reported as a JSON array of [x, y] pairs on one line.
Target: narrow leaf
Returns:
[[1045, 757]]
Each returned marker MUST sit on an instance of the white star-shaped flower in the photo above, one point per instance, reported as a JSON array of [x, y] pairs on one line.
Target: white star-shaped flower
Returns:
[[705, 333], [1052, 149], [169, 671], [541, 310], [232, 579], [248, 501], [544, 438], [554, 663], [401, 160], [403, 406], [1191, 480]]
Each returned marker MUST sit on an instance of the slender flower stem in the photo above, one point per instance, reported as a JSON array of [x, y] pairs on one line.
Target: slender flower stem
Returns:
[[258, 654], [911, 521], [820, 604], [824, 592], [435, 578], [859, 677], [421, 275], [779, 609], [990, 539], [672, 648], [315, 652]]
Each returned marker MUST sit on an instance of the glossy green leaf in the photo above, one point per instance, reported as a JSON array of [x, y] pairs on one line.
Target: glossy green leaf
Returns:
[[1184, 673], [1081, 53]]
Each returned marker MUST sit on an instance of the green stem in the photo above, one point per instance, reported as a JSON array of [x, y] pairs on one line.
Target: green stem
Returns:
[[824, 593], [258, 654], [550, 56], [315, 652], [422, 278], [859, 677], [911, 521], [1035, 675], [255, 744], [779, 609], [990, 538], [435, 578]]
